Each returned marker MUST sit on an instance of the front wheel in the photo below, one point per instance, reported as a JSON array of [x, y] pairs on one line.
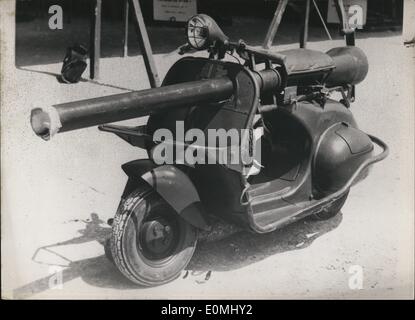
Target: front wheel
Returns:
[[150, 243]]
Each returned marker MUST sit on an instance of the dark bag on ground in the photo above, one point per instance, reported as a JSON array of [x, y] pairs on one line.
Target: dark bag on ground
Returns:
[[74, 64]]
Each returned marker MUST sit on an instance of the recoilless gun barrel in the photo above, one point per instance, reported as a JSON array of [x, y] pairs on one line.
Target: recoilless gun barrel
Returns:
[[348, 66], [91, 112]]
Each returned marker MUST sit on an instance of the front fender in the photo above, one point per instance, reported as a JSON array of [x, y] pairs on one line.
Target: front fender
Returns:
[[172, 184]]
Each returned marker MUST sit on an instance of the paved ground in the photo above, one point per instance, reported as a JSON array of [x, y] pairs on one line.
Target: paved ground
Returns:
[[57, 195]]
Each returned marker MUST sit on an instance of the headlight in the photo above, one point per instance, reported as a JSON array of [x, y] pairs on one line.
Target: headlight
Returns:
[[198, 32]]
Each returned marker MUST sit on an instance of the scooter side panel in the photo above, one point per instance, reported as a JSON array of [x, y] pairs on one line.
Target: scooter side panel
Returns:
[[270, 213], [340, 152]]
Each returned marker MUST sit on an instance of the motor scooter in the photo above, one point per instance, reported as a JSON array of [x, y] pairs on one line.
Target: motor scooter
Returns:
[[311, 150]]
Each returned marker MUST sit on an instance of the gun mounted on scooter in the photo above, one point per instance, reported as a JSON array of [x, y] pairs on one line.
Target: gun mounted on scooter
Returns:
[[312, 151], [344, 66]]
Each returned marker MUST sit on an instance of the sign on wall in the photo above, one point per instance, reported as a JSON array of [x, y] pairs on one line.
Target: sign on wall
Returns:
[[174, 10], [356, 11]]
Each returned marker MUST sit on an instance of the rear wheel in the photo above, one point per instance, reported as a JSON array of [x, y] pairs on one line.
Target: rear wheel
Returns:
[[332, 210], [150, 244]]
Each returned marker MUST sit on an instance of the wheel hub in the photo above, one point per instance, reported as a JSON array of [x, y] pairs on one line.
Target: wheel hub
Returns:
[[157, 238]]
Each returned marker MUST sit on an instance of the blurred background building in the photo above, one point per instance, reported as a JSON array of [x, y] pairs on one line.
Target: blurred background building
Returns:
[[36, 43], [379, 12]]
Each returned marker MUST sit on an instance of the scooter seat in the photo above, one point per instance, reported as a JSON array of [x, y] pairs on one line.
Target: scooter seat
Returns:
[[302, 61]]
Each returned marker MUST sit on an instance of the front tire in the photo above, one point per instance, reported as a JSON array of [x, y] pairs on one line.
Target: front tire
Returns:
[[150, 243]]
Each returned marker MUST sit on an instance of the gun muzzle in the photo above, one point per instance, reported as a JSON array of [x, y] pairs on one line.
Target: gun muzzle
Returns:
[[91, 112]]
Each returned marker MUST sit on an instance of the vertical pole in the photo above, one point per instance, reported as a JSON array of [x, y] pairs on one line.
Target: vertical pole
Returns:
[[125, 18], [342, 14], [8, 53], [304, 38], [95, 42], [145, 45], [408, 31], [347, 31], [269, 38], [322, 19]]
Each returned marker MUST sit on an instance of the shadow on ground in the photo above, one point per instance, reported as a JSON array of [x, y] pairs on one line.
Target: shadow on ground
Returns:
[[244, 248], [222, 252], [82, 79]]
